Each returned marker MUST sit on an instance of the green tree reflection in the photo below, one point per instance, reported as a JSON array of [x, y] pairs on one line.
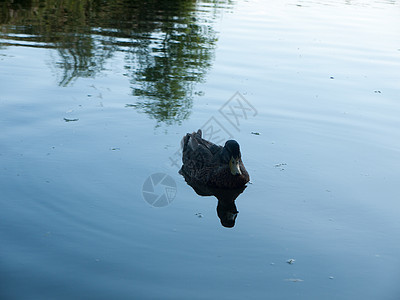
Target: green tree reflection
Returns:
[[168, 45], [178, 55]]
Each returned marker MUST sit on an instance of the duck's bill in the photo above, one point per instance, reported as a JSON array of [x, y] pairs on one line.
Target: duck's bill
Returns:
[[234, 166], [229, 220], [231, 217]]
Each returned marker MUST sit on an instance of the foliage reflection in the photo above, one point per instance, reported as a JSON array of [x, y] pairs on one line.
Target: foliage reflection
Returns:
[[168, 46]]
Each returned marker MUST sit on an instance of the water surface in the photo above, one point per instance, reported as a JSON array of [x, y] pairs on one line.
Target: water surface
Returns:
[[95, 98]]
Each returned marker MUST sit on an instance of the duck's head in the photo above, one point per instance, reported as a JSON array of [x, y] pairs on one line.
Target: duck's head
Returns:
[[231, 153]]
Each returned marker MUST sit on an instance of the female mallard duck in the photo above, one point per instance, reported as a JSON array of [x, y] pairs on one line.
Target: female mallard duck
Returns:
[[212, 165]]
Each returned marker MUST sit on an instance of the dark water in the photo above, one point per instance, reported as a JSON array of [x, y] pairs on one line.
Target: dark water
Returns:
[[95, 97]]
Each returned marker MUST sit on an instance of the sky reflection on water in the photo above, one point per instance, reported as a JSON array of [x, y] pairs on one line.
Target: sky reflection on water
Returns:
[[321, 146]]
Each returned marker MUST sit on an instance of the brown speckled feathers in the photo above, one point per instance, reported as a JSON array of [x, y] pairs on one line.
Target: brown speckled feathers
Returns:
[[203, 164]]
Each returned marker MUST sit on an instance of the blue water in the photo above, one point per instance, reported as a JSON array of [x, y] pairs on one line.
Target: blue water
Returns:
[[319, 132]]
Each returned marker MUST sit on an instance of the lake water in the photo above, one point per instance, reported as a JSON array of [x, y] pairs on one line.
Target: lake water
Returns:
[[95, 98]]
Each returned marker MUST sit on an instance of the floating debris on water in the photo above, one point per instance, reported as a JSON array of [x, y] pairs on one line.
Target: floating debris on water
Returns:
[[130, 105], [70, 120], [294, 280], [280, 165], [255, 133], [291, 261], [114, 149], [199, 93], [377, 92], [199, 215]]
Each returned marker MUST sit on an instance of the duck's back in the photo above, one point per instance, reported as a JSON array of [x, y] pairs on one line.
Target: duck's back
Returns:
[[199, 157]]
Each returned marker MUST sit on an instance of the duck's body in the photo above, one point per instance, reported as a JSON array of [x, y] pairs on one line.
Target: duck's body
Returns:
[[212, 165]]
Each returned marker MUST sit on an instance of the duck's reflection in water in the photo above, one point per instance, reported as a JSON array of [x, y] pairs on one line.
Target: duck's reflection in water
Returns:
[[226, 207]]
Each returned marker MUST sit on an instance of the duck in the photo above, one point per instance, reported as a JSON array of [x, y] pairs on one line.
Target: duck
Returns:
[[208, 164]]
